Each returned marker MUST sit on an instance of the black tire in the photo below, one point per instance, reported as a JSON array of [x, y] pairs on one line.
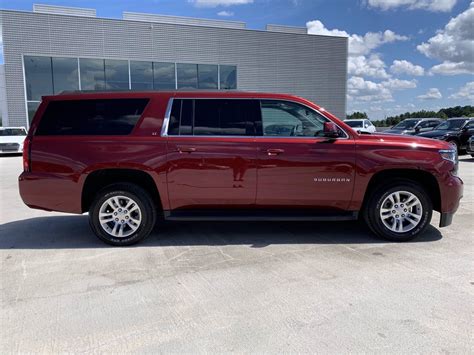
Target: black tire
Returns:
[[378, 196], [146, 206], [472, 155]]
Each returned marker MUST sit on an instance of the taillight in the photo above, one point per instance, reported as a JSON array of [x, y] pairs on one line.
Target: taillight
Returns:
[[27, 154]]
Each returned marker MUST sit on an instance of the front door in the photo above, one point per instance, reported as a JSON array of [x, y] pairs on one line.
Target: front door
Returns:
[[298, 168], [212, 154]]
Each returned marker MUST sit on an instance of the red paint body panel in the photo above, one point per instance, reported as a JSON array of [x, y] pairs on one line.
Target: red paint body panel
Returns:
[[228, 172]]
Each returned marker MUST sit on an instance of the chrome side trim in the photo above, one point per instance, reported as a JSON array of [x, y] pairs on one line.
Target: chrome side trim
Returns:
[[166, 119]]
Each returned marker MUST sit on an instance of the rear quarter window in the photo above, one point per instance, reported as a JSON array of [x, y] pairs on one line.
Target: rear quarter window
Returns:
[[91, 117]]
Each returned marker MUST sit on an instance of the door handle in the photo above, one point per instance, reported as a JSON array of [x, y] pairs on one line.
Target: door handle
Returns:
[[275, 151], [186, 149]]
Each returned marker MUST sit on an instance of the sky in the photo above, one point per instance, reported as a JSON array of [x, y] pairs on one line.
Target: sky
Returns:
[[404, 55]]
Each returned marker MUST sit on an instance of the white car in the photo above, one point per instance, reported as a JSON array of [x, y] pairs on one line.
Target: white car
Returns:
[[11, 139], [361, 125]]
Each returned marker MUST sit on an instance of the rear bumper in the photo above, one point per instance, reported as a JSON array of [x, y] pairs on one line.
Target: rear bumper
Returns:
[[50, 192]]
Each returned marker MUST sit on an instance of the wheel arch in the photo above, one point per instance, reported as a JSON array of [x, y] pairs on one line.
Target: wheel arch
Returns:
[[98, 179], [427, 180]]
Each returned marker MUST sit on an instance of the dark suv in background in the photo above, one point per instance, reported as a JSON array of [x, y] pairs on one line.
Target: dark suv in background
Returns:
[[454, 130], [414, 126]]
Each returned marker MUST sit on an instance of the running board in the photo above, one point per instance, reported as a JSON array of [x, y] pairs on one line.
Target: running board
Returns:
[[258, 215]]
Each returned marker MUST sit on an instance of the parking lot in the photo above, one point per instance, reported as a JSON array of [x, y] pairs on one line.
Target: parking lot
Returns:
[[242, 287]]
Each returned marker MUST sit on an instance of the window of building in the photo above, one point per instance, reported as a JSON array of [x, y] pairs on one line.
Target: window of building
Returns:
[[92, 74], [91, 117], [116, 74], [289, 119], [32, 107], [141, 75], [38, 77], [207, 76], [65, 74], [228, 77], [164, 76], [187, 76]]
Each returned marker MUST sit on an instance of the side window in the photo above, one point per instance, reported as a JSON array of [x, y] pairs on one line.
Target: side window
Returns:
[[289, 119], [91, 117], [214, 117], [433, 124], [424, 124], [470, 125]]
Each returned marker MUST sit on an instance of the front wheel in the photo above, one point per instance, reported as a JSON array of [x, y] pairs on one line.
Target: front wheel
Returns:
[[399, 211], [122, 214]]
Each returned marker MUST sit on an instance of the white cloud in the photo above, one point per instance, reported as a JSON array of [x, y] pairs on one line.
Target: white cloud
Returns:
[[359, 89], [466, 92], [430, 5], [453, 45], [406, 67], [397, 84], [225, 13], [371, 66], [215, 3], [431, 94], [358, 44]]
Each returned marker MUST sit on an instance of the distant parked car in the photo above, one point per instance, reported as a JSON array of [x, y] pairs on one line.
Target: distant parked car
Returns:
[[414, 126], [454, 130], [11, 139], [361, 125], [470, 146]]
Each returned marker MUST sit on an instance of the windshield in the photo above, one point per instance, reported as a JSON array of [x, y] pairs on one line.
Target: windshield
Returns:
[[406, 124], [354, 124], [12, 132], [450, 125]]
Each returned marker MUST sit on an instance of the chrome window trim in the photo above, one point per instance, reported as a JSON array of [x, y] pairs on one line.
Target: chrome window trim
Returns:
[[164, 129]]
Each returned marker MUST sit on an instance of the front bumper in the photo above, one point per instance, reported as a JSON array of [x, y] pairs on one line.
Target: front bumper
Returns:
[[451, 188]]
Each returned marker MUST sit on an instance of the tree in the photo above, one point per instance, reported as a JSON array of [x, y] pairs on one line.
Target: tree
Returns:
[[357, 115]]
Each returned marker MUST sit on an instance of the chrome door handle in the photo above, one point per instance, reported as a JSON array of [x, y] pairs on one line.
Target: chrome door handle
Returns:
[[275, 151], [186, 149]]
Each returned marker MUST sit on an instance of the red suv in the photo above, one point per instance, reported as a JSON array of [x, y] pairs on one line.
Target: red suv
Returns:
[[131, 158]]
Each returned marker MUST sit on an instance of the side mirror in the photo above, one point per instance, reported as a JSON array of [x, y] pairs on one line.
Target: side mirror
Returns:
[[330, 130]]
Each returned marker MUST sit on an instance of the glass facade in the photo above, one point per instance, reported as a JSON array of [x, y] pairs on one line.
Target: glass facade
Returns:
[[141, 75], [116, 74], [52, 75], [207, 76], [187, 76], [65, 74], [228, 76], [164, 76]]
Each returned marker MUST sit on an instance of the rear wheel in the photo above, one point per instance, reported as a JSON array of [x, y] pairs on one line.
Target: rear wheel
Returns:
[[122, 214], [399, 211]]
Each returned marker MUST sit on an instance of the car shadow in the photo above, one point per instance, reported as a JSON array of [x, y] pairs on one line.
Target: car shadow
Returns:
[[58, 232]]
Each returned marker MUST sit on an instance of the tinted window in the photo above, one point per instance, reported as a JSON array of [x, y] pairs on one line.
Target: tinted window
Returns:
[[141, 75], [92, 74], [470, 125], [187, 76], [65, 76], [214, 117], [228, 77], [207, 76], [116, 74], [354, 124], [91, 117], [289, 119], [406, 124], [164, 76], [451, 125], [12, 132], [38, 77]]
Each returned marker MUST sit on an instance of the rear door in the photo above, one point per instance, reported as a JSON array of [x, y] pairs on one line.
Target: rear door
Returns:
[[298, 168], [212, 153]]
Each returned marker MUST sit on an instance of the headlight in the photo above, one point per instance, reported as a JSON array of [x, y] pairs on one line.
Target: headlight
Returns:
[[449, 154]]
